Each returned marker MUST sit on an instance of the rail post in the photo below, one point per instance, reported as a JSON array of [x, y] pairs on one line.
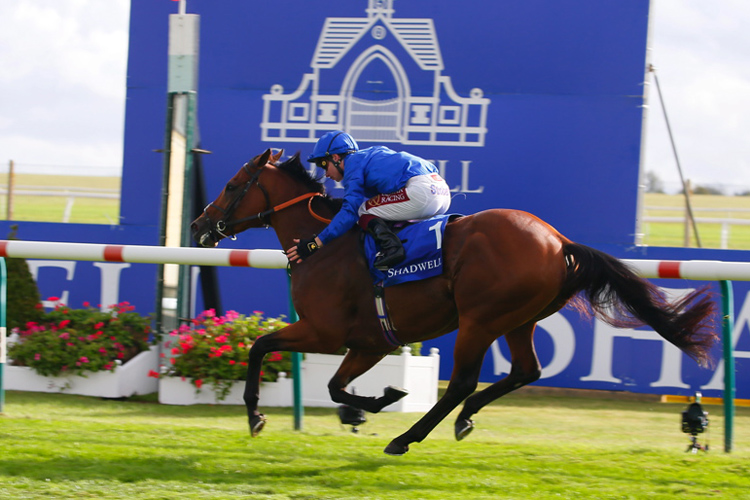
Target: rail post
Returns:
[[727, 305], [299, 409]]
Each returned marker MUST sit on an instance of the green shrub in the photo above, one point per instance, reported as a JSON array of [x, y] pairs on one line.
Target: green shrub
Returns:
[[76, 341]]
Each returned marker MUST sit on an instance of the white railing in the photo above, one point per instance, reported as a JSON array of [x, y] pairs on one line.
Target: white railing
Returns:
[[725, 222]]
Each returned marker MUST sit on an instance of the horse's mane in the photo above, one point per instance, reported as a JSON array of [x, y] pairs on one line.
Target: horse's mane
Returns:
[[297, 171]]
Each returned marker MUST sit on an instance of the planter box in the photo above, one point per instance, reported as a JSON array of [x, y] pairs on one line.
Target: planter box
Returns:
[[179, 391], [125, 381], [416, 374]]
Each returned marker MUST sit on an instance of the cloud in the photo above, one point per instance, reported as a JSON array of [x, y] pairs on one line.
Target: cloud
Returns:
[[700, 51], [64, 64]]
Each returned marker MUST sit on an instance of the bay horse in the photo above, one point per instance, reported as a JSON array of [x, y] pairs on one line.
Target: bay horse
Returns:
[[503, 271]]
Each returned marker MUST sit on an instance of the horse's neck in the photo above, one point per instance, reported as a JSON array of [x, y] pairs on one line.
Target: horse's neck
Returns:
[[295, 222]]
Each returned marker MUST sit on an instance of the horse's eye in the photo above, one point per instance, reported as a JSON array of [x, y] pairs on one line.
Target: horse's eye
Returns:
[[230, 187]]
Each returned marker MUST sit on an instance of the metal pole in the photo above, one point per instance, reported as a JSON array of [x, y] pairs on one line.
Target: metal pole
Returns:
[[158, 315], [184, 281], [727, 304], [685, 187], [299, 409]]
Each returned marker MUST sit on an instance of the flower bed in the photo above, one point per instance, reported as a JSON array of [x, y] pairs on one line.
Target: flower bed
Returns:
[[83, 351], [211, 356]]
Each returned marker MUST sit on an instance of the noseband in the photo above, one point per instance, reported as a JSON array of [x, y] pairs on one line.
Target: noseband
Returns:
[[223, 226]]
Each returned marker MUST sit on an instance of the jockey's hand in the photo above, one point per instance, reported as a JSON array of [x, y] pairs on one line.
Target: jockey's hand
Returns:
[[304, 248]]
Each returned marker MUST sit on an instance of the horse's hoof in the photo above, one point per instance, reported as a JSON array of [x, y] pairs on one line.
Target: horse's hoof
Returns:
[[257, 422], [463, 428], [393, 393], [395, 449]]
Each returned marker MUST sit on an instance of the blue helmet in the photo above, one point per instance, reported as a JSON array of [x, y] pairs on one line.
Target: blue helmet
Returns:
[[334, 142]]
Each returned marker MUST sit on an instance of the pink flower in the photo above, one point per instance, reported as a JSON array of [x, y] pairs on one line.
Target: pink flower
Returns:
[[83, 359], [102, 350], [64, 335], [37, 356], [109, 366]]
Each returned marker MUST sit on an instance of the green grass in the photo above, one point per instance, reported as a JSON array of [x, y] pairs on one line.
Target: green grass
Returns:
[[52, 208], [530, 446], [673, 234]]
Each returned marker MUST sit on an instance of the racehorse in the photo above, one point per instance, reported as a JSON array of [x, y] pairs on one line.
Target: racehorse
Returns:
[[503, 271]]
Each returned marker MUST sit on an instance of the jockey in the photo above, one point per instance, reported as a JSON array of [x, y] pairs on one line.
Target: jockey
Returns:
[[379, 185]]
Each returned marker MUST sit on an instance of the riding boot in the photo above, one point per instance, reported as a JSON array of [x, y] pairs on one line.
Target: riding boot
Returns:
[[391, 250]]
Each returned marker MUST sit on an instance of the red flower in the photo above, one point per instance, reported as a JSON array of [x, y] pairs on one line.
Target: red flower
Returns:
[[152, 373], [198, 383], [64, 323]]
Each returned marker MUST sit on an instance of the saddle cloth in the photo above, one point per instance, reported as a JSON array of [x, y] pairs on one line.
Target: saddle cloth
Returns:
[[423, 243]]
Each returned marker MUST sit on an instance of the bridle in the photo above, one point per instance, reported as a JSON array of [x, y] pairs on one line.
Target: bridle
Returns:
[[223, 226]]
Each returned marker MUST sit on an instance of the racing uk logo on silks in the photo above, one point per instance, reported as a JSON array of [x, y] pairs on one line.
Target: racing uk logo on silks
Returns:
[[376, 101], [386, 199]]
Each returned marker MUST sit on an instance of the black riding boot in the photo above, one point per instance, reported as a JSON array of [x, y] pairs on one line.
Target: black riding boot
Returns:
[[391, 250]]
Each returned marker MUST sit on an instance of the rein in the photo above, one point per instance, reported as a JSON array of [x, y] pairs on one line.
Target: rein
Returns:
[[223, 225]]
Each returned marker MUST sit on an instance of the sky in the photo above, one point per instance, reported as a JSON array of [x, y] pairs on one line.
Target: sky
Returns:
[[64, 73]]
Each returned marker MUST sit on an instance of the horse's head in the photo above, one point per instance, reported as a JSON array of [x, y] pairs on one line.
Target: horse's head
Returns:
[[228, 214]]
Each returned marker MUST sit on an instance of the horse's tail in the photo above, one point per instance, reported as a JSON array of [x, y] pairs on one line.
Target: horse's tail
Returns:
[[624, 300]]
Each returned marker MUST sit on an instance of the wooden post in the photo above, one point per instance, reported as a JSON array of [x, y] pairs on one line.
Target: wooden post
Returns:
[[688, 219], [11, 181]]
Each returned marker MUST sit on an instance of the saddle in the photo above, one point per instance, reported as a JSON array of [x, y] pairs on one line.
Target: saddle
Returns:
[[423, 243]]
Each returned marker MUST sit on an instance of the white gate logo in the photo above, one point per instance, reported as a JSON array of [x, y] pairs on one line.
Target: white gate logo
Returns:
[[376, 100]]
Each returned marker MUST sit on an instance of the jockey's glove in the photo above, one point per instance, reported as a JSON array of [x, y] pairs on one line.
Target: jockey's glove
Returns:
[[306, 247]]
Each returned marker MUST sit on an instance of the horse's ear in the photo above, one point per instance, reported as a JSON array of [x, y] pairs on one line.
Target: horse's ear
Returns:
[[275, 158], [263, 159]]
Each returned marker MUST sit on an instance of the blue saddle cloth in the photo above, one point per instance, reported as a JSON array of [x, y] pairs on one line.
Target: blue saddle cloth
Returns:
[[423, 243]]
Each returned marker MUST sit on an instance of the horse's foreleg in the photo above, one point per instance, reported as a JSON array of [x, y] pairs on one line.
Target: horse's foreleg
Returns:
[[355, 364], [297, 337], [525, 369], [468, 355]]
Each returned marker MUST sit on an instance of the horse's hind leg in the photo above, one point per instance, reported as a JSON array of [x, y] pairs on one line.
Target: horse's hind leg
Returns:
[[525, 369], [468, 354], [355, 364]]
